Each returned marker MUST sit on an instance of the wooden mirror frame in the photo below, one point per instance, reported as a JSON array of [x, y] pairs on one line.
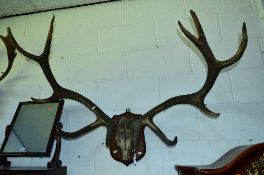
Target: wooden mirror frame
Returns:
[[51, 136]]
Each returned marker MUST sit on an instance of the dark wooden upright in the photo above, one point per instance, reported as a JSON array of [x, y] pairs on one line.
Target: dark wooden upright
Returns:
[[242, 160], [33, 171]]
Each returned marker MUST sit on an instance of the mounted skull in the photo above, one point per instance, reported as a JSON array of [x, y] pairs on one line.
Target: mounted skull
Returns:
[[125, 132], [126, 139]]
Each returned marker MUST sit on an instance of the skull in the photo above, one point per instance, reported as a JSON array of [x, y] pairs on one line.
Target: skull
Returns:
[[127, 141]]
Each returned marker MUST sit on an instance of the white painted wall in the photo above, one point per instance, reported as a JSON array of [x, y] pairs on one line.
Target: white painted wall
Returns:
[[131, 54]]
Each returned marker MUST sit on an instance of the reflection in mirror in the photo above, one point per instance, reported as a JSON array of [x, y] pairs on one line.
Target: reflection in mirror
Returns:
[[32, 130]]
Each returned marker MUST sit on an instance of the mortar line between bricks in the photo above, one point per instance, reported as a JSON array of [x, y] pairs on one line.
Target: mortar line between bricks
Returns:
[[252, 4], [93, 162], [126, 12], [231, 86], [126, 64], [199, 125], [156, 33], [70, 70], [74, 20], [190, 59], [159, 85], [19, 68], [260, 46], [261, 49], [163, 162], [98, 45], [185, 7], [260, 43], [25, 28], [67, 120], [220, 26], [39, 94], [96, 91]]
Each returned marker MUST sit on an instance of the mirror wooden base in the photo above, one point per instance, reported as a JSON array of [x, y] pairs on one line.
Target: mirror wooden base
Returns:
[[242, 160], [33, 171]]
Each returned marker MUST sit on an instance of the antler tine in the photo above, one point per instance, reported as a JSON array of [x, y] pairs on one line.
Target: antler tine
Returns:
[[25, 53], [240, 51], [200, 42], [161, 135], [214, 67], [197, 24], [11, 55], [46, 51]]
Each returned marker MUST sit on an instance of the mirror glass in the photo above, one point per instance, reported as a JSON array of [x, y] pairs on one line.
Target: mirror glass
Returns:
[[32, 130]]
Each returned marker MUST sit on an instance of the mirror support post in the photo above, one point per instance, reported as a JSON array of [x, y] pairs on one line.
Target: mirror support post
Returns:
[[56, 162]]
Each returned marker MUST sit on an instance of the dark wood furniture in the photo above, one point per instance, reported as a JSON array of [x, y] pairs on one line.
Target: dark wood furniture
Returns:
[[32, 130], [242, 160], [33, 171], [53, 167]]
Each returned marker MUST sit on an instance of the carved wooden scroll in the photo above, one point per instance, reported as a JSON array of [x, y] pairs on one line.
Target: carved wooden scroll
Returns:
[[242, 160]]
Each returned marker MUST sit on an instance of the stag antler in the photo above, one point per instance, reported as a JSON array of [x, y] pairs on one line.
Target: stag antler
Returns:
[[197, 98], [125, 132], [11, 54], [58, 91]]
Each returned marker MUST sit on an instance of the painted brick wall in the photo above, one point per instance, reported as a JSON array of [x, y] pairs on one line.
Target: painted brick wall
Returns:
[[131, 54]]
